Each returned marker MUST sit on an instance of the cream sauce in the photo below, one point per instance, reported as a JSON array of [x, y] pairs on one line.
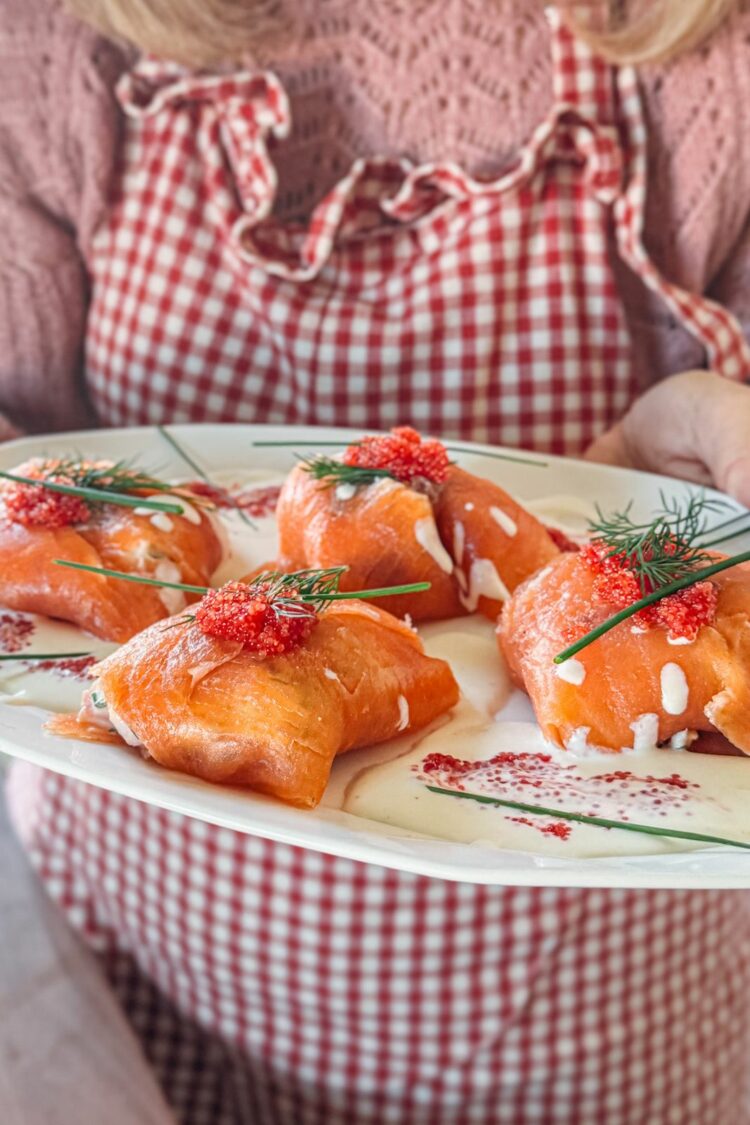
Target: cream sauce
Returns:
[[346, 491], [426, 534], [645, 732], [403, 712], [504, 522], [674, 689], [571, 672], [173, 600], [54, 686], [659, 787], [163, 520], [483, 581], [459, 542]]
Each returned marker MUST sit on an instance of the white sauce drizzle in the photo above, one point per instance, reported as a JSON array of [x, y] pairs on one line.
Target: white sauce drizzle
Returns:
[[503, 520], [459, 541], [403, 712], [578, 741], [426, 534], [679, 641], [571, 671], [346, 491], [189, 513], [682, 739], [645, 732], [483, 581], [172, 600], [162, 520], [468, 506], [331, 675], [674, 689]]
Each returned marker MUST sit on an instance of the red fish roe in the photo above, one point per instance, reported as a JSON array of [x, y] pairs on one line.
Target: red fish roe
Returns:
[[616, 585], [404, 454], [562, 541], [257, 502], [682, 614], [673, 779], [77, 668], [15, 632], [32, 506], [557, 828], [246, 613], [446, 763], [218, 496]]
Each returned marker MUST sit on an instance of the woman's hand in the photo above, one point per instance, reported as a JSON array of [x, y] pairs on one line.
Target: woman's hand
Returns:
[[695, 425]]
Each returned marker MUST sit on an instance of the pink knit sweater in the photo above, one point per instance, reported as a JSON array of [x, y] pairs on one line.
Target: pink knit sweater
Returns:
[[459, 79]]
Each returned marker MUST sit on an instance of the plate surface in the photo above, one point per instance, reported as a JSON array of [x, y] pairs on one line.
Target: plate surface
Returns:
[[227, 452]]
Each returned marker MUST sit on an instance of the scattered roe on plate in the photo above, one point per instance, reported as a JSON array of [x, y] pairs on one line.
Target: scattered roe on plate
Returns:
[[32, 506], [404, 454], [616, 586], [15, 632], [77, 668], [562, 541], [266, 625], [257, 502]]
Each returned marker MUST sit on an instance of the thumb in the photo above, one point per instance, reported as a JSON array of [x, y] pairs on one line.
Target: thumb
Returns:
[[734, 477], [611, 448], [725, 441]]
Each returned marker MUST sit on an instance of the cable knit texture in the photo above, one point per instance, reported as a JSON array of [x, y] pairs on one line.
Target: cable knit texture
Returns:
[[430, 79]]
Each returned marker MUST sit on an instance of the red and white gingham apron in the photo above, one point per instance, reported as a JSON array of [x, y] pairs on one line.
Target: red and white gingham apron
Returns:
[[341, 993]]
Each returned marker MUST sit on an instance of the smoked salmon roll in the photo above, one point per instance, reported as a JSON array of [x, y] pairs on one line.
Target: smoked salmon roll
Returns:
[[395, 510], [260, 690], [177, 542], [659, 678]]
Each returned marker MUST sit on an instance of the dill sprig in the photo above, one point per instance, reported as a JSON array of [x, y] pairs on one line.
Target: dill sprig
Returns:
[[662, 549], [315, 588], [293, 595], [334, 473], [597, 821], [667, 554]]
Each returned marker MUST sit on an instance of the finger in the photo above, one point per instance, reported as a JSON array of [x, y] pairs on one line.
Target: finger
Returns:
[[734, 478], [610, 449], [725, 441]]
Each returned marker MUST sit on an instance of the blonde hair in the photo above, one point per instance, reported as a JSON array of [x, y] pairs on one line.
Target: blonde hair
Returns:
[[652, 31], [202, 32]]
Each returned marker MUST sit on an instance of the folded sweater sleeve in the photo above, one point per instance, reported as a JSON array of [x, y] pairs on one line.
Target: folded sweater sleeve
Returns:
[[58, 138]]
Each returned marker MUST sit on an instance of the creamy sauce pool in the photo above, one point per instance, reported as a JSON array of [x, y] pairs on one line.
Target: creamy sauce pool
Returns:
[[493, 727]]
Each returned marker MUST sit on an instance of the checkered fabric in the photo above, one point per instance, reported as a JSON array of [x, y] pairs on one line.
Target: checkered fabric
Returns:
[[356, 995], [273, 985], [469, 308]]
